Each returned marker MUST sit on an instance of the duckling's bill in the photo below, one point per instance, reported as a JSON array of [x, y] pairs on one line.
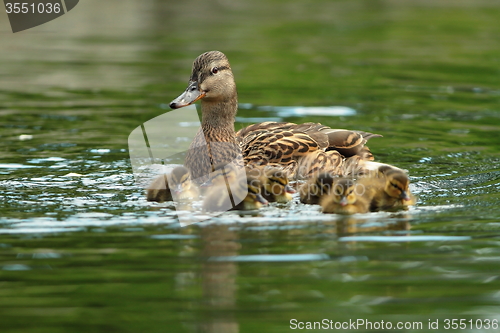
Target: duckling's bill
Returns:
[[260, 198], [289, 189]]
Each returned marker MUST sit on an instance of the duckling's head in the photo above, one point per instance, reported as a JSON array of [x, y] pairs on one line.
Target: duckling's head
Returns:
[[276, 183], [181, 179], [344, 192], [247, 191], [397, 184], [211, 80], [253, 199]]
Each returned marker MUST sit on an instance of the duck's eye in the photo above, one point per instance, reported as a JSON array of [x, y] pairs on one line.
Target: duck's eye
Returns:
[[215, 70]]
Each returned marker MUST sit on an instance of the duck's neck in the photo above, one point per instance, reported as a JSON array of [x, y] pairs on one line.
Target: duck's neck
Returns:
[[218, 117]]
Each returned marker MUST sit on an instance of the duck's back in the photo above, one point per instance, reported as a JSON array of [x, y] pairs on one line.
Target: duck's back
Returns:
[[306, 148]]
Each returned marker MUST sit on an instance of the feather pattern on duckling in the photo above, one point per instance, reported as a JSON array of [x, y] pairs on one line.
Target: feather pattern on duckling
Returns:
[[180, 186], [270, 143], [316, 187], [390, 188], [273, 183], [232, 189], [346, 197]]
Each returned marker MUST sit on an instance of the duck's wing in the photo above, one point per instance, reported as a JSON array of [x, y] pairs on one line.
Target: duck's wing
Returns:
[[320, 161], [250, 135], [280, 143], [315, 147], [349, 143]]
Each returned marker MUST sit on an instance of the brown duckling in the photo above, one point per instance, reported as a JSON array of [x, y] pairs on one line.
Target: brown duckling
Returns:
[[346, 197], [224, 174], [180, 188], [273, 183], [269, 143], [315, 188], [233, 192], [390, 188]]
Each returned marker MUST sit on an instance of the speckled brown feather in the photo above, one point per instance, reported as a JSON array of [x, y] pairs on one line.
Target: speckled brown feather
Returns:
[[348, 143], [208, 149], [281, 143]]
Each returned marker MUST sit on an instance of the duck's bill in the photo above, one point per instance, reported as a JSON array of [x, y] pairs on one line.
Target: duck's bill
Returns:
[[261, 199], [289, 189], [188, 97], [177, 188], [404, 195]]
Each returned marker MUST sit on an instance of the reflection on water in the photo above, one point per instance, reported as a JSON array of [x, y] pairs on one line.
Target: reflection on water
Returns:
[[219, 279]]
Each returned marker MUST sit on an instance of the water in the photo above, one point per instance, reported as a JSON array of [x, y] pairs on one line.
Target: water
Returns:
[[81, 250]]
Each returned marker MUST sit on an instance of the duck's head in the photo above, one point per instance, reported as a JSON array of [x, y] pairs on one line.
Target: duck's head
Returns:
[[344, 192], [181, 179], [397, 184], [211, 81]]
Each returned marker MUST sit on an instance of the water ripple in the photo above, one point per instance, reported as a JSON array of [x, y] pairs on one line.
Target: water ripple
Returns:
[[429, 238]]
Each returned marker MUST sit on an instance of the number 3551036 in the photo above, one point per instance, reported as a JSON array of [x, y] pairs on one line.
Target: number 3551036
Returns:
[[25, 8]]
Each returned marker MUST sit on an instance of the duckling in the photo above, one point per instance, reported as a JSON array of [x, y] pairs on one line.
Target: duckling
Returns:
[[269, 143], [273, 183], [243, 194], [224, 175], [346, 197], [390, 188], [316, 187], [181, 186]]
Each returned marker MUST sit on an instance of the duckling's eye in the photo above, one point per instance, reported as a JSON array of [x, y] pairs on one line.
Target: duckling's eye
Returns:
[[215, 70], [395, 186]]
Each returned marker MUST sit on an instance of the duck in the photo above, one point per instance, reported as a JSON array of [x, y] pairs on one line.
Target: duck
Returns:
[[313, 190], [299, 149], [274, 183], [224, 175], [389, 187], [232, 190], [346, 197], [180, 187]]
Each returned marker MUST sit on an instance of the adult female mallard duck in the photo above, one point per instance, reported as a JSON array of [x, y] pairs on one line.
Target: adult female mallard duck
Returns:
[[302, 149]]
